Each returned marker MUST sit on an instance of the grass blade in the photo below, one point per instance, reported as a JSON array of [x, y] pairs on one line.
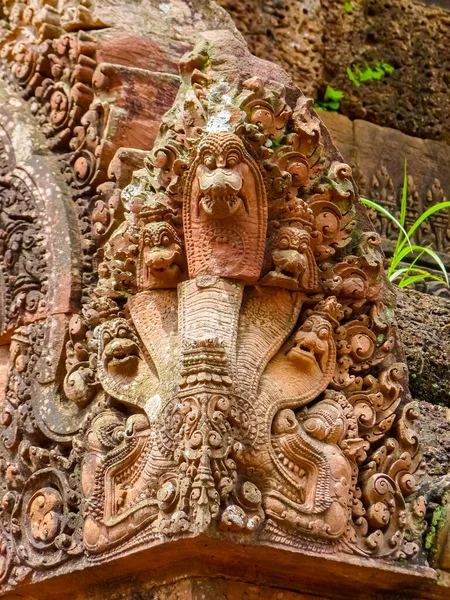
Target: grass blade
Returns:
[[403, 205], [422, 272], [414, 278], [386, 213], [397, 258], [430, 211], [404, 195]]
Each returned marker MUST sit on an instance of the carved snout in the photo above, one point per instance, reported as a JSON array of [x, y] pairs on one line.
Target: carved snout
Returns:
[[308, 348], [221, 192], [160, 259], [290, 261], [121, 353]]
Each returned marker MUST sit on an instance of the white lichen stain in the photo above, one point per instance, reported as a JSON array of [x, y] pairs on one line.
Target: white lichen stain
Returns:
[[164, 7], [21, 142], [15, 102], [153, 406], [220, 122]]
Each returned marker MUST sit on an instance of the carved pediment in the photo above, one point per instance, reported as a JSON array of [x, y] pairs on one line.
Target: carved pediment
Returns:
[[235, 371], [256, 351]]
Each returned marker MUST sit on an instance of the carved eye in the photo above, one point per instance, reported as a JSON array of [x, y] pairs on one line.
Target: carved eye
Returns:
[[210, 161], [315, 427], [165, 241], [232, 160], [323, 333], [304, 246], [122, 332], [283, 243]]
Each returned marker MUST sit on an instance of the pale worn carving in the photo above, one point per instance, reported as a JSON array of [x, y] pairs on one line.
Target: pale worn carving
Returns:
[[22, 253]]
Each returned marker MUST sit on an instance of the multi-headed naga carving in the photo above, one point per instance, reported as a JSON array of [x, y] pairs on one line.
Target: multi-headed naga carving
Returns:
[[247, 336], [237, 365]]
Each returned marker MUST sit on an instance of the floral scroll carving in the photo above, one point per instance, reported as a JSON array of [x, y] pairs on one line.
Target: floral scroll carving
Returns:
[[242, 332]]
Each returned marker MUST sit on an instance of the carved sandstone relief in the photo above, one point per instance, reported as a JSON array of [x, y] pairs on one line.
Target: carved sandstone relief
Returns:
[[239, 351], [235, 370]]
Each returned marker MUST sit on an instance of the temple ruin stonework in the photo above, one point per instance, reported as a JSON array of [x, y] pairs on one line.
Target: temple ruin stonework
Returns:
[[203, 391]]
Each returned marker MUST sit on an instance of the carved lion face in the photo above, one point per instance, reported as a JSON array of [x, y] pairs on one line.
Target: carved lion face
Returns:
[[160, 257], [311, 344], [123, 369], [220, 175], [290, 248]]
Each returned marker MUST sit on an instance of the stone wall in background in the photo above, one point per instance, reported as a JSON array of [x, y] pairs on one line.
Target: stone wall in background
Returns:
[[316, 41], [377, 156], [287, 32]]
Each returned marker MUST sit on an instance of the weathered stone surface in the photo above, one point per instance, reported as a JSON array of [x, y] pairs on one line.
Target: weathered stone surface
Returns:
[[316, 41], [424, 324], [287, 32], [40, 247], [234, 373], [377, 155], [230, 389]]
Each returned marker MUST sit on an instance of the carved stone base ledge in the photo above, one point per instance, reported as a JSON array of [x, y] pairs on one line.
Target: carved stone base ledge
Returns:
[[228, 570]]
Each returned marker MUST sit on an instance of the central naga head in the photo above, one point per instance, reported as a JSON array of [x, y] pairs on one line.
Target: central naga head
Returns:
[[221, 175], [225, 210]]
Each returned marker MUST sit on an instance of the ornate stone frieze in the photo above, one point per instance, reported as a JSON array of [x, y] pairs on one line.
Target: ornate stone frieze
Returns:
[[234, 368], [48, 54]]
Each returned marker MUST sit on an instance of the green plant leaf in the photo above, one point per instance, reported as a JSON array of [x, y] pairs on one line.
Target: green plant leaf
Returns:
[[331, 99], [385, 212], [369, 73], [409, 270], [403, 205], [399, 256], [415, 278], [348, 7], [333, 95], [357, 76], [411, 273], [352, 77], [430, 211], [387, 68]]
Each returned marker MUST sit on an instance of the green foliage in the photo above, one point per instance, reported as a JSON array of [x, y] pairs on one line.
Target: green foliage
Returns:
[[437, 522], [357, 76], [348, 7], [331, 100], [404, 249]]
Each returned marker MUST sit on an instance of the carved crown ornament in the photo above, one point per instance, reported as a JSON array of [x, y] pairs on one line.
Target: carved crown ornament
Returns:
[[236, 369]]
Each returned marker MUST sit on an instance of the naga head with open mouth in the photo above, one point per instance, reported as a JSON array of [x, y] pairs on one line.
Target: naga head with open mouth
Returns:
[[225, 210], [313, 345], [120, 352], [161, 262], [220, 175]]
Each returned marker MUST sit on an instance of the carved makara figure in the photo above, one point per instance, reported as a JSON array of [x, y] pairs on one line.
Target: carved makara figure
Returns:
[[241, 356]]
